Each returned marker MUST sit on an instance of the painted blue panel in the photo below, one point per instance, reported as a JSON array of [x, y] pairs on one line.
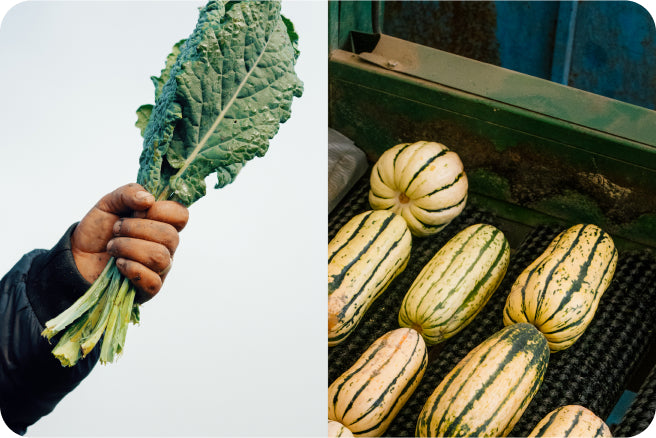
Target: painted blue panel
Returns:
[[525, 32], [561, 61], [614, 52], [620, 408], [605, 47]]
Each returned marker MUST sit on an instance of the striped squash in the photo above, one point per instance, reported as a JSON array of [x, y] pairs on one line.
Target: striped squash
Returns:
[[337, 429], [456, 283], [424, 182], [489, 389], [571, 421], [367, 397], [365, 255], [560, 291]]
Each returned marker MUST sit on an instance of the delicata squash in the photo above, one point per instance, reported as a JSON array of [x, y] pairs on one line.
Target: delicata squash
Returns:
[[367, 397], [365, 255], [571, 421], [337, 429], [456, 283], [486, 393], [424, 182], [560, 291]]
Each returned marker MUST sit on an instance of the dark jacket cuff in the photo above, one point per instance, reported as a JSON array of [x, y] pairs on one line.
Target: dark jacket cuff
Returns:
[[54, 282]]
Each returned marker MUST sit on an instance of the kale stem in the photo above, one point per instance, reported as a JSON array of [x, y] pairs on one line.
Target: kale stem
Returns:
[[108, 349], [82, 305], [67, 349], [103, 308], [167, 194], [102, 314], [125, 316], [164, 194]]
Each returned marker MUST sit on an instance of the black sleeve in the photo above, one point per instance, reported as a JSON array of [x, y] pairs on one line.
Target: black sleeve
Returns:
[[32, 381]]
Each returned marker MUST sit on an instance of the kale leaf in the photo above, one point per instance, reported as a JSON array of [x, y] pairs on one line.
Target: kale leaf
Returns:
[[219, 100]]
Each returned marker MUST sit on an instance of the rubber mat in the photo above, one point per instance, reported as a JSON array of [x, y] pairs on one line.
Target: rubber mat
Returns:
[[640, 413], [592, 373]]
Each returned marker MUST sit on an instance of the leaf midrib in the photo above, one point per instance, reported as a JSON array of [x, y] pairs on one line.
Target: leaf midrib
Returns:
[[203, 141]]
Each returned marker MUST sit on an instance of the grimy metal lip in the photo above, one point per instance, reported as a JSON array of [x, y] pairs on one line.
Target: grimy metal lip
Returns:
[[529, 93]]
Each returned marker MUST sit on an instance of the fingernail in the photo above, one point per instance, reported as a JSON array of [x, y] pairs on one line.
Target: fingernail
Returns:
[[143, 196], [110, 245], [117, 227]]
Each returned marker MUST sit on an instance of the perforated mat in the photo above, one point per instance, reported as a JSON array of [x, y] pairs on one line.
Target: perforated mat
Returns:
[[592, 373]]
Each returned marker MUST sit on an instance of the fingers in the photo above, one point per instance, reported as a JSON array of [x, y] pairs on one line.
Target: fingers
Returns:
[[95, 229], [152, 255], [169, 212], [144, 247], [148, 230], [138, 231], [147, 282], [144, 262], [125, 199]]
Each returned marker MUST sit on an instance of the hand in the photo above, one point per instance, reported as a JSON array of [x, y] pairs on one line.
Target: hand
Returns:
[[141, 233]]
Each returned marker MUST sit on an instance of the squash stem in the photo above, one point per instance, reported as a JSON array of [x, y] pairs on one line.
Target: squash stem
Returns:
[[418, 328]]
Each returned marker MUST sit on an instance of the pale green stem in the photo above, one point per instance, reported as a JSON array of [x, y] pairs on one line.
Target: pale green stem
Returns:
[[104, 308], [108, 350], [125, 317], [82, 305], [67, 349]]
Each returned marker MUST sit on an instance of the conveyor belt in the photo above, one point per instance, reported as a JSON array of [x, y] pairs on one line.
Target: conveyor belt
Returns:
[[593, 372], [640, 413]]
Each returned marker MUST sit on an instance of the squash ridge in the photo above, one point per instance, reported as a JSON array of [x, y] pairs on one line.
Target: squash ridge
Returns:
[[351, 237], [384, 392], [576, 284]]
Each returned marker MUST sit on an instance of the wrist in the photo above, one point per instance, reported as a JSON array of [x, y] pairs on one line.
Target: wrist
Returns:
[[54, 281]]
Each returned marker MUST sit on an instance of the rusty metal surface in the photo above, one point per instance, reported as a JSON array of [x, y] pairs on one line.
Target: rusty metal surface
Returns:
[[521, 161], [519, 90]]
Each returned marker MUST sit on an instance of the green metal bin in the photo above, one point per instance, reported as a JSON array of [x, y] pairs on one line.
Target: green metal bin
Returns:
[[540, 156]]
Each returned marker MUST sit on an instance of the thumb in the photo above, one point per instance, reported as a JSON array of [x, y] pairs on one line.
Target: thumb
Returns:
[[125, 199], [95, 229]]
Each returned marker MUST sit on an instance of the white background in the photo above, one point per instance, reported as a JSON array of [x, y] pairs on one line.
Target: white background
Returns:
[[234, 345]]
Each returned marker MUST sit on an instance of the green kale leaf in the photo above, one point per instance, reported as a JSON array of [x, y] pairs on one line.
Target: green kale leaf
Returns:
[[144, 111], [219, 100]]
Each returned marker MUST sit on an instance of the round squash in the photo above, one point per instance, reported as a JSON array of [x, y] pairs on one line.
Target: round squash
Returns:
[[424, 182], [571, 421]]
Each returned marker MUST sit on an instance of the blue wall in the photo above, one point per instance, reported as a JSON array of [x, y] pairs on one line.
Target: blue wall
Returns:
[[605, 47]]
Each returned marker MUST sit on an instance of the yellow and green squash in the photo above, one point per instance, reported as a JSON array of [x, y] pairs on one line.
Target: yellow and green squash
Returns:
[[486, 393], [365, 255], [456, 283], [571, 421], [337, 429], [560, 291], [367, 397], [424, 182]]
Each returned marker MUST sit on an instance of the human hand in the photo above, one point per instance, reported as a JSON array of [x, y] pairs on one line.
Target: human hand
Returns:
[[141, 233]]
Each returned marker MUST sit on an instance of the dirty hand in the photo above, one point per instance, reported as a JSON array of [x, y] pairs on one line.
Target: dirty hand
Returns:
[[141, 233]]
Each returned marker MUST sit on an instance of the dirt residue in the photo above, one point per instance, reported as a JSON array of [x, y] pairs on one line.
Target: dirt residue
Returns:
[[464, 28], [533, 174]]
